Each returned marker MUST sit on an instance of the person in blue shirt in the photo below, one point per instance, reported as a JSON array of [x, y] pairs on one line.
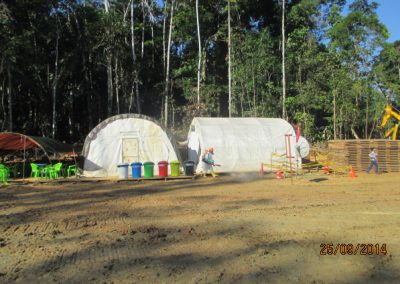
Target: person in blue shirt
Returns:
[[374, 162]]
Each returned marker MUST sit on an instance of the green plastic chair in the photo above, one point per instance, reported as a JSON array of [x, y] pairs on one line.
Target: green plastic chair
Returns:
[[35, 171], [64, 170], [49, 172], [57, 169], [71, 170], [4, 171]]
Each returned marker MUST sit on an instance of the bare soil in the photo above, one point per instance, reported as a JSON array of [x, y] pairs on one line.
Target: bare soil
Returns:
[[238, 228]]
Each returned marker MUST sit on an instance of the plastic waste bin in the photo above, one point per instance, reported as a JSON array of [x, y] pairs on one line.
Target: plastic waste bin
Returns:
[[123, 170], [136, 169], [148, 169], [175, 168], [189, 168], [163, 168]]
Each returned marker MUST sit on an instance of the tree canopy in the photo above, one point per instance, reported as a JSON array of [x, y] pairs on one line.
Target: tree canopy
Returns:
[[67, 65]]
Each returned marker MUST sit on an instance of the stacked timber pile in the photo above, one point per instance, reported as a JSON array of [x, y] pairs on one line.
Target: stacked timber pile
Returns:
[[355, 153]]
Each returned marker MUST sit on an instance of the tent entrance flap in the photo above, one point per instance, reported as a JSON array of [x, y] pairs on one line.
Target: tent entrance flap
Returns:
[[130, 150]]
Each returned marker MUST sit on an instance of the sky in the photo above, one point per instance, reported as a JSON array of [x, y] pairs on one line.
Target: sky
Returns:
[[389, 14]]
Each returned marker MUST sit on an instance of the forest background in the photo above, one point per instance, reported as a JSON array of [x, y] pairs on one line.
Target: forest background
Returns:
[[67, 65]]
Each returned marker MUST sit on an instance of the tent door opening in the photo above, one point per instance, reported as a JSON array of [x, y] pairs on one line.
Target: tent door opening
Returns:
[[130, 150]]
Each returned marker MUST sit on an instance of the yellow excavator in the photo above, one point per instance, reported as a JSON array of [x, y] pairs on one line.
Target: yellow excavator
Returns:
[[390, 111]]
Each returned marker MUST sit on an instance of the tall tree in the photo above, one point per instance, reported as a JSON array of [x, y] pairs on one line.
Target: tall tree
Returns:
[[355, 38], [168, 55], [108, 52], [199, 60], [55, 79], [229, 60], [387, 71], [284, 114], [7, 60]]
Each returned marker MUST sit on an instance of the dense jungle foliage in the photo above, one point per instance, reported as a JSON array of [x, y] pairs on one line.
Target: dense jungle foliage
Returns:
[[67, 65]]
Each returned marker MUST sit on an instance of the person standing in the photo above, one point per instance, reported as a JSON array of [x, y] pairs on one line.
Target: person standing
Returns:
[[374, 162], [298, 131], [207, 160]]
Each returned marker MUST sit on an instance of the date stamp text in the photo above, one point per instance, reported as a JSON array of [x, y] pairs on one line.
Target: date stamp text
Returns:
[[353, 249]]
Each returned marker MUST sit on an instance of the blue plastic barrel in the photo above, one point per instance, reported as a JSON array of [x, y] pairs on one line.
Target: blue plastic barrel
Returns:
[[136, 170]]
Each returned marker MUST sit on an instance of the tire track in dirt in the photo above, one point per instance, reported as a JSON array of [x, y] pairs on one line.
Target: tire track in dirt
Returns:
[[136, 247], [48, 227], [97, 255]]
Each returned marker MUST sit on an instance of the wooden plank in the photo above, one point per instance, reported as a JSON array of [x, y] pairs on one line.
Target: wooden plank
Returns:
[[355, 153]]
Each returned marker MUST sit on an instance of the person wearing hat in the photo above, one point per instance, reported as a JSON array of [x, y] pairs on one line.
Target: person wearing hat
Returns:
[[207, 161]]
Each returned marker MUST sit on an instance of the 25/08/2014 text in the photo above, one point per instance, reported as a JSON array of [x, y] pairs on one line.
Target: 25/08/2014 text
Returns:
[[353, 249]]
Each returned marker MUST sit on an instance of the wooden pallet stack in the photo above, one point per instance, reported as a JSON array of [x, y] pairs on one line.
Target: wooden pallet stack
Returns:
[[355, 153]]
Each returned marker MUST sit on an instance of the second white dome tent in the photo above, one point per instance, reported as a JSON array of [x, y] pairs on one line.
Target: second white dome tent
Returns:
[[241, 144]]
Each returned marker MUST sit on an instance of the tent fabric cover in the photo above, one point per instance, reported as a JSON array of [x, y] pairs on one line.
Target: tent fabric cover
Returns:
[[240, 144], [126, 138], [10, 141]]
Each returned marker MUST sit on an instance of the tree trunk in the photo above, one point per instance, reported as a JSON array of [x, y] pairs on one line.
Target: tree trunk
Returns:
[[203, 65], [341, 122], [168, 64], [109, 65], [92, 109], [123, 97], [164, 31], [86, 92], [284, 114], [133, 34], [116, 83], [2, 89], [55, 82], [70, 132], [374, 124], [109, 83], [242, 94], [10, 109], [334, 114], [131, 98], [354, 133], [229, 61], [143, 23], [138, 106], [106, 6], [366, 118], [152, 43], [398, 69], [134, 90], [199, 62], [254, 88], [172, 105], [152, 37]]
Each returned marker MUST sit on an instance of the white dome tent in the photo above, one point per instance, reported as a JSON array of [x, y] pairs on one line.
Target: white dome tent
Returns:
[[125, 138], [242, 144]]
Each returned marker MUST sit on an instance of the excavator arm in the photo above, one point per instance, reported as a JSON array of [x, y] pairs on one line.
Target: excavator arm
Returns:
[[389, 112], [392, 131]]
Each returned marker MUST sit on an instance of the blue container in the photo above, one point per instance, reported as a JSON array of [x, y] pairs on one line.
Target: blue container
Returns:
[[136, 170]]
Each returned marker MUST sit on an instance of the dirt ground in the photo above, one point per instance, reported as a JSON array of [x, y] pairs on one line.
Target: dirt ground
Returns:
[[238, 228]]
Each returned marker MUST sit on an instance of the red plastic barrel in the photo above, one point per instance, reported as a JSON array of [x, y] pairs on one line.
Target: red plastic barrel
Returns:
[[163, 168]]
